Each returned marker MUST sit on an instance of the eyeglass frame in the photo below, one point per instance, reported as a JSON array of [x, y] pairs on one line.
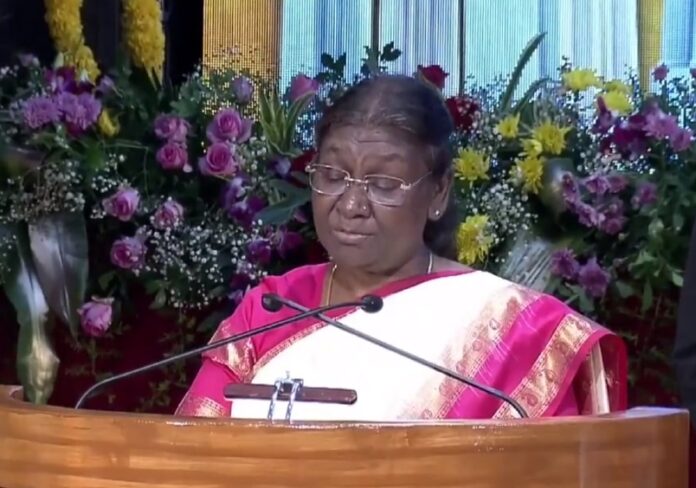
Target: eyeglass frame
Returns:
[[364, 182]]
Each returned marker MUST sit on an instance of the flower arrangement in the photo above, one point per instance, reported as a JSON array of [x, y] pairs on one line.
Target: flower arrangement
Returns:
[[116, 187]]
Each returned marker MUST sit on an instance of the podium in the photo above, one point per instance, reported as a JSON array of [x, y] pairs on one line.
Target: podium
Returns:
[[43, 446]]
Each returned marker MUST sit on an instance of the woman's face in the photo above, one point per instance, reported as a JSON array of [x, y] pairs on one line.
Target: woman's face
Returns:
[[359, 233]]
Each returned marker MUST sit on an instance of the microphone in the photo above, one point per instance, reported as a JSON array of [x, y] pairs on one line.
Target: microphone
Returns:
[[500, 395], [269, 303]]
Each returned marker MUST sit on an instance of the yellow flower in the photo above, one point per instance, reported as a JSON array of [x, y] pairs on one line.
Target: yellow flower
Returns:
[[84, 62], [142, 24], [108, 126], [473, 240], [65, 26], [532, 147], [551, 137], [471, 165], [617, 101], [580, 79], [530, 171], [617, 85], [508, 128]]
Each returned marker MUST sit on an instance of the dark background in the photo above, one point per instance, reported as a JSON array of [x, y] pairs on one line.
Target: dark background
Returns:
[[23, 29]]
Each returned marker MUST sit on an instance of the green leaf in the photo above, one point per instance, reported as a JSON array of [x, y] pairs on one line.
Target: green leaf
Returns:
[[327, 61], [37, 363], [289, 189], [677, 279], [282, 211], [647, 297], [625, 290], [678, 221], [59, 248], [528, 95], [527, 52], [106, 279], [160, 299]]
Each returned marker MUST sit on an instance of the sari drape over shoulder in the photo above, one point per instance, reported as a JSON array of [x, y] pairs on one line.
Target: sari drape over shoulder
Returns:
[[549, 358]]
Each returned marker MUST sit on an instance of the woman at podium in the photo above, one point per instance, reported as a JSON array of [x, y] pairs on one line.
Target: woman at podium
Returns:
[[381, 199]]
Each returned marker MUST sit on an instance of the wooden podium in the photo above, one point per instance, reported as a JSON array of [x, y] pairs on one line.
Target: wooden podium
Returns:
[[50, 447]]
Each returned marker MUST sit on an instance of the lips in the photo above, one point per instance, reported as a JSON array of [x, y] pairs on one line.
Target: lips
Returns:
[[350, 237]]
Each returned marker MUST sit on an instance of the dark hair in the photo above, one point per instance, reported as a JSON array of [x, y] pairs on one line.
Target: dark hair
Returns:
[[417, 109]]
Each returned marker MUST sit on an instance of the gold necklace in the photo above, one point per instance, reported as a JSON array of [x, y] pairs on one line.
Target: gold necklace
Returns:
[[329, 288]]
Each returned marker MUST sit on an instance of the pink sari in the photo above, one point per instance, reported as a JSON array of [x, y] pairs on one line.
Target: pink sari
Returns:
[[530, 345]]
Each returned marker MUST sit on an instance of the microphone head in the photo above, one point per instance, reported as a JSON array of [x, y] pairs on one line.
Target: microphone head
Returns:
[[372, 303], [270, 302]]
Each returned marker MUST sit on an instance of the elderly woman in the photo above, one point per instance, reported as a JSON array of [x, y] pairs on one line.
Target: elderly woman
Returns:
[[383, 209]]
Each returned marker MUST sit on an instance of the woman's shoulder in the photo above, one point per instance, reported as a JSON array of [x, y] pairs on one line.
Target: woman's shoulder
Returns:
[[296, 283]]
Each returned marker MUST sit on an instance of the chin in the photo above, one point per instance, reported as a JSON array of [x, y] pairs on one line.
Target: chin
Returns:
[[353, 256]]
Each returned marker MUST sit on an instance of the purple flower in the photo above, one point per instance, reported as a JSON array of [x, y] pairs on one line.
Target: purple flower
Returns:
[[79, 112], [219, 160], [660, 125], [39, 111], [106, 85], [281, 166], [286, 241], [587, 214], [95, 316], [301, 86], [605, 119], [593, 278], [660, 72], [569, 187], [564, 264], [173, 156], [239, 284], [259, 251], [613, 219], [229, 126], [122, 204], [243, 89], [171, 128], [597, 185], [617, 183], [244, 211], [168, 215], [681, 140], [646, 194], [128, 253], [235, 189]]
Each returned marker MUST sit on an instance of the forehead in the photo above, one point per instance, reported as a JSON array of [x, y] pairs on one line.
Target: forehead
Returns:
[[354, 144]]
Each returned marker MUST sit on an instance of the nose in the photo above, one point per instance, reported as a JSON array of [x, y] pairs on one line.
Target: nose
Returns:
[[354, 202]]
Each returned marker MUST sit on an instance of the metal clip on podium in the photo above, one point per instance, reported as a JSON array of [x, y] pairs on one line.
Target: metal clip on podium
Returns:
[[290, 390]]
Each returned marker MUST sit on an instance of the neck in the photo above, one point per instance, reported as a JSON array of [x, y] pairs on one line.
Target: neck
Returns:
[[351, 283]]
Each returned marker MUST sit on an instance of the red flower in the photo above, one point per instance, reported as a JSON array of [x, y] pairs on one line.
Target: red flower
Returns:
[[300, 162], [465, 112], [434, 74]]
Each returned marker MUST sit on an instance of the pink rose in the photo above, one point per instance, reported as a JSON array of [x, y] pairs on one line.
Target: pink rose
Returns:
[[301, 86], [168, 215], [229, 126], [122, 204], [243, 89], [219, 160], [171, 128], [434, 74], [173, 156], [95, 316], [128, 253]]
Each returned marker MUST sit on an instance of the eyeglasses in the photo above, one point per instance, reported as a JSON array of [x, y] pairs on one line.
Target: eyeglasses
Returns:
[[384, 190]]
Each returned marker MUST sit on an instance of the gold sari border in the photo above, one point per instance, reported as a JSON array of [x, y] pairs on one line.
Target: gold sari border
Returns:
[[200, 406], [538, 390]]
